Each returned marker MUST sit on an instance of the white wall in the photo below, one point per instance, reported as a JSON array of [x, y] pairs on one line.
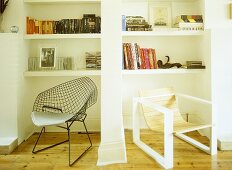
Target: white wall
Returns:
[[217, 16]]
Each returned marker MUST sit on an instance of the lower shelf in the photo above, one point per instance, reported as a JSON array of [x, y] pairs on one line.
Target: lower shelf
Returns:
[[162, 71], [62, 73]]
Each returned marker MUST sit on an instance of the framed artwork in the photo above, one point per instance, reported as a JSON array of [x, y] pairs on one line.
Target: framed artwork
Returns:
[[47, 56], [160, 14]]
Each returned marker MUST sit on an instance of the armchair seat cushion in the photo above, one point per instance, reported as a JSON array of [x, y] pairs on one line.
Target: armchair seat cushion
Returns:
[[48, 118]]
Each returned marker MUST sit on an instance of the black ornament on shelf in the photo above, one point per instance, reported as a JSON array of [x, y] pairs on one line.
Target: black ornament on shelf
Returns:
[[3, 4], [167, 64]]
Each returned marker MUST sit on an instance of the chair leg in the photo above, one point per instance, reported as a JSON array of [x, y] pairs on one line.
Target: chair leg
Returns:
[[43, 129], [70, 164]]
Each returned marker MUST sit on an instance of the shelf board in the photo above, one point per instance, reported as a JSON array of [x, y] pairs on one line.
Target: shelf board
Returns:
[[60, 1], [161, 33], [62, 73], [62, 36], [161, 71]]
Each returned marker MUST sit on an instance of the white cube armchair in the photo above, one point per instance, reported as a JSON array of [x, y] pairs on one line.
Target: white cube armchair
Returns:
[[161, 113]]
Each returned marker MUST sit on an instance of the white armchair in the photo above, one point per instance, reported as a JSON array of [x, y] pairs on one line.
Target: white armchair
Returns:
[[161, 113]]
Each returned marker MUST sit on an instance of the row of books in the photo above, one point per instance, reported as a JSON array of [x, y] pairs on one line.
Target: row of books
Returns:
[[135, 23], [88, 24], [93, 60], [135, 57]]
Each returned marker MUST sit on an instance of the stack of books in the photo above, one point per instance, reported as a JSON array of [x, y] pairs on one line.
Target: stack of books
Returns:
[[135, 57], [90, 23], [194, 65], [135, 23], [93, 60], [189, 22]]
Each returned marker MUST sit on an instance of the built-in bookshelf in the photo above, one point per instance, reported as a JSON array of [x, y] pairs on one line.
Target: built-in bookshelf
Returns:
[[66, 43]]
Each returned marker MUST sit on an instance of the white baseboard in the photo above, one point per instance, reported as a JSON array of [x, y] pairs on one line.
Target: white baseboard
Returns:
[[111, 153], [7, 145], [225, 144]]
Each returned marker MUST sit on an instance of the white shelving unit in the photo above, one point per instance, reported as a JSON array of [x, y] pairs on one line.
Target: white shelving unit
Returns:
[[180, 45]]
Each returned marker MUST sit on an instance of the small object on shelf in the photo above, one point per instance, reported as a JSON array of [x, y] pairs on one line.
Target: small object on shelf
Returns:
[[167, 64], [93, 60], [14, 29], [189, 22], [194, 65]]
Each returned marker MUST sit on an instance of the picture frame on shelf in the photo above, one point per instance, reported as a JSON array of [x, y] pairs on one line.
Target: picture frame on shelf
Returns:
[[47, 56], [160, 15]]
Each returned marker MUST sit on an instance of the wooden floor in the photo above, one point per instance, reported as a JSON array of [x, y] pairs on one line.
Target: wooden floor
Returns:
[[185, 156]]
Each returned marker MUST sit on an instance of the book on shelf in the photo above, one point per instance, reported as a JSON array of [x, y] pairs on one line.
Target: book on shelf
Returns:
[[90, 23], [93, 60], [135, 23], [135, 57]]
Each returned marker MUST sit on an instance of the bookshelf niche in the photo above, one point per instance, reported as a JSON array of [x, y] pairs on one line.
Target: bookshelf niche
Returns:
[[72, 33]]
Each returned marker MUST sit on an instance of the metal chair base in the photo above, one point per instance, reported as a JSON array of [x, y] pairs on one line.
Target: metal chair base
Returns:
[[68, 140]]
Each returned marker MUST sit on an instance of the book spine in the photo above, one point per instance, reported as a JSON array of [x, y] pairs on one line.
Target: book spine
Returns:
[[154, 58], [126, 66], [150, 58], [123, 23], [145, 52], [134, 55]]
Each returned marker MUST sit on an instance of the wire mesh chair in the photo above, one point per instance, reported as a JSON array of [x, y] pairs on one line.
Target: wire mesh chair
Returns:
[[64, 103]]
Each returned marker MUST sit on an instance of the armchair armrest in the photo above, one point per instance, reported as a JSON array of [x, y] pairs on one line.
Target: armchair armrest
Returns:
[[145, 101], [194, 98]]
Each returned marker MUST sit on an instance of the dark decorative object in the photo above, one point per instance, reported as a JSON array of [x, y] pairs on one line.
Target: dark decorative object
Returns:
[[167, 64], [64, 103], [3, 4]]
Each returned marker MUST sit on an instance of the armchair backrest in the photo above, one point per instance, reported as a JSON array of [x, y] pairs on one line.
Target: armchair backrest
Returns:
[[69, 97], [164, 97]]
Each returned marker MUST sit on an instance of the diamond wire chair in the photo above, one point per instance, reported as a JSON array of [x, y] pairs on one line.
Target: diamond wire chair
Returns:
[[64, 103]]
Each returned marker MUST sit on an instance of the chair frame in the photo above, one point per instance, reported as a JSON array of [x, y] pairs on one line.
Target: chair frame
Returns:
[[68, 125], [167, 160], [73, 97]]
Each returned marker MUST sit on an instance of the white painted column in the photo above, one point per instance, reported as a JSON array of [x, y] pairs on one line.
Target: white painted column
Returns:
[[112, 148], [9, 53]]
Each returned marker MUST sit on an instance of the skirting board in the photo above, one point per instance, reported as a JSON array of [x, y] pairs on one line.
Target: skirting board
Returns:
[[7, 145], [225, 144], [111, 153]]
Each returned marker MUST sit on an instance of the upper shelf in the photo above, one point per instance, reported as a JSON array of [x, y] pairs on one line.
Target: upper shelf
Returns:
[[60, 1], [161, 33], [62, 36]]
